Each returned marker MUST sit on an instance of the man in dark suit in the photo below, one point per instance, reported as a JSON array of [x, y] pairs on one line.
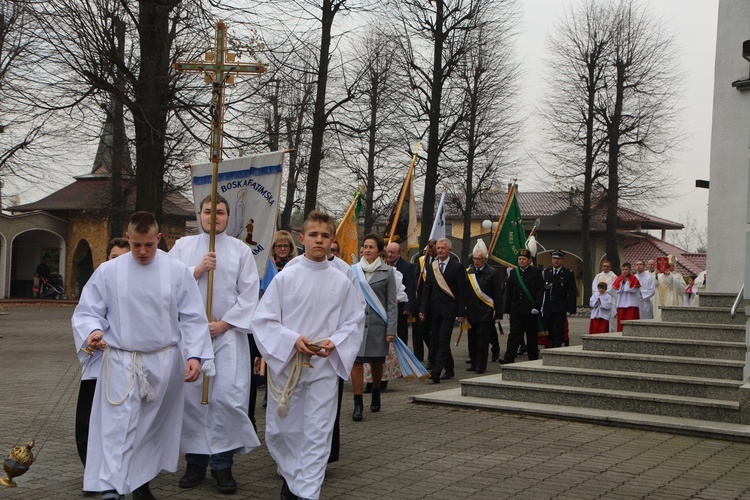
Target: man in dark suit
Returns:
[[523, 302], [484, 306], [444, 297], [421, 329], [409, 280], [560, 295]]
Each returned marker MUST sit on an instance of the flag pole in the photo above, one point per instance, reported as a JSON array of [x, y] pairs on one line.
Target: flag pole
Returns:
[[503, 213], [402, 195]]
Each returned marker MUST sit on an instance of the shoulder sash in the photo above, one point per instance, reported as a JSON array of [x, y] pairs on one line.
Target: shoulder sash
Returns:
[[367, 291], [440, 279], [478, 291]]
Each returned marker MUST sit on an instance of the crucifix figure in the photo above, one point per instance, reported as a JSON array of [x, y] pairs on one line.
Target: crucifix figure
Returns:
[[218, 68]]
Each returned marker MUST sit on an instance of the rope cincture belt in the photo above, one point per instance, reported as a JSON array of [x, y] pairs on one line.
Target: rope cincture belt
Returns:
[[283, 396], [136, 360]]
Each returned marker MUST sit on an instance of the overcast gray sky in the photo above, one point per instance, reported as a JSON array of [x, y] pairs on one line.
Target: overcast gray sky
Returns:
[[693, 23]]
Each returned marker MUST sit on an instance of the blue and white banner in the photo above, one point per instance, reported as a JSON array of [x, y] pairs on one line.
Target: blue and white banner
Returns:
[[252, 186], [438, 226]]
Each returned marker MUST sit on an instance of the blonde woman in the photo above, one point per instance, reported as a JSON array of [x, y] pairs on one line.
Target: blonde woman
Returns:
[[283, 249]]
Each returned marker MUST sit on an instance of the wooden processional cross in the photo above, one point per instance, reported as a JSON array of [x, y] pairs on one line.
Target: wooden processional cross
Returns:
[[218, 68]]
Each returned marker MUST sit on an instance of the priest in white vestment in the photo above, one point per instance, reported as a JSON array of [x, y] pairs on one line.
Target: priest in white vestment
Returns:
[[607, 276], [213, 433], [310, 302], [144, 310], [671, 286]]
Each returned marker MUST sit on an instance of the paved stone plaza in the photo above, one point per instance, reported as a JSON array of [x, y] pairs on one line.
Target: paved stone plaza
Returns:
[[406, 451]]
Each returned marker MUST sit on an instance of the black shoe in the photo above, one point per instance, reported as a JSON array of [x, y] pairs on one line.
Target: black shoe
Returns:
[[194, 475], [468, 361], [435, 377], [224, 480], [480, 371], [383, 385], [505, 361], [143, 493], [495, 356], [286, 494], [375, 403], [471, 369], [447, 376], [358, 407], [368, 388]]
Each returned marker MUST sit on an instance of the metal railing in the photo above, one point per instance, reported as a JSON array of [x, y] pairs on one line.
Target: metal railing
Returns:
[[737, 301]]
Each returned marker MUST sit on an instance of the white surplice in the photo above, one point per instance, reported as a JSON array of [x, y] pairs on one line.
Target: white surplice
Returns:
[[150, 315], [318, 301], [648, 289], [607, 278], [223, 424]]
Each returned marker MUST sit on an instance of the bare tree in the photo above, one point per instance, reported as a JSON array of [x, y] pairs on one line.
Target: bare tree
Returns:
[[638, 108], [612, 109], [691, 237], [27, 136], [440, 28], [487, 135], [367, 130], [577, 141]]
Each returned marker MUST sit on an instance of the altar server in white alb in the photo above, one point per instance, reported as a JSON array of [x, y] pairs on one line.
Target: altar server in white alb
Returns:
[[309, 304], [213, 433], [648, 289], [144, 310]]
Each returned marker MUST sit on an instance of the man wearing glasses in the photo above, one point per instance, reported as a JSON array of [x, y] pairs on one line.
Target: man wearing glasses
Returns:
[[485, 306]]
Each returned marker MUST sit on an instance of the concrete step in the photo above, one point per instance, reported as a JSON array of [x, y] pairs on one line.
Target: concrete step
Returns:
[[616, 342], [603, 399], [674, 425], [537, 372], [712, 315], [675, 330], [718, 299], [576, 357]]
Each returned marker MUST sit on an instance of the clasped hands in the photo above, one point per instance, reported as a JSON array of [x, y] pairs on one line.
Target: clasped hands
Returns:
[[326, 347], [95, 342]]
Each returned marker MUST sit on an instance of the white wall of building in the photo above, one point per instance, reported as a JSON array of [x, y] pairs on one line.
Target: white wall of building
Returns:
[[730, 138]]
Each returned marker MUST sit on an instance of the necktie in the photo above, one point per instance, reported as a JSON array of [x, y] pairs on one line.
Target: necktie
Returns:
[[442, 266]]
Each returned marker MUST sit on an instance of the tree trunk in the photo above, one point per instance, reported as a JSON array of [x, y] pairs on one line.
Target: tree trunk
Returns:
[[152, 96], [433, 148], [372, 131], [613, 187], [328, 12]]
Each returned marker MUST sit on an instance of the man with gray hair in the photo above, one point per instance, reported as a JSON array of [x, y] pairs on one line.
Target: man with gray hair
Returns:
[[444, 297], [484, 306]]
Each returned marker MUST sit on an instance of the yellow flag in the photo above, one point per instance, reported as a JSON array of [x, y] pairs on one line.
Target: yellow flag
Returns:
[[346, 233]]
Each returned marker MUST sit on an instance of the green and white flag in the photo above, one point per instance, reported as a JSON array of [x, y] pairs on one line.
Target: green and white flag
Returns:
[[438, 226], [509, 236]]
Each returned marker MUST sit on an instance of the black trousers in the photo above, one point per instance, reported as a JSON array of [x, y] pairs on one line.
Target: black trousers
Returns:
[[336, 438], [417, 340], [254, 353], [483, 334], [420, 337], [477, 342], [520, 324], [402, 328], [554, 323], [440, 344], [83, 415]]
